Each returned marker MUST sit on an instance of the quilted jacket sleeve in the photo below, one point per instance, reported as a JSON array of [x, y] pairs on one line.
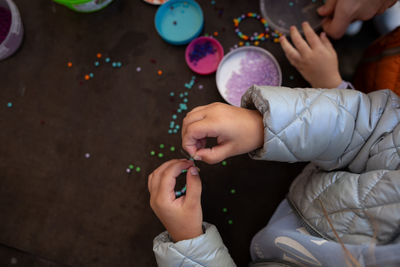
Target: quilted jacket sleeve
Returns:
[[333, 128], [205, 250]]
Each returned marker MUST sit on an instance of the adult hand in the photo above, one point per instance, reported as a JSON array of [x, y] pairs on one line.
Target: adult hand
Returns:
[[238, 131], [182, 217], [340, 13], [315, 58]]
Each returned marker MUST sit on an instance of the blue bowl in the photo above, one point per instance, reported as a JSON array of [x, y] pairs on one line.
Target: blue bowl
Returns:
[[179, 21]]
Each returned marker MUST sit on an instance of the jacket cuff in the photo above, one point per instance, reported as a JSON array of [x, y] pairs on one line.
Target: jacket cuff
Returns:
[[207, 249]]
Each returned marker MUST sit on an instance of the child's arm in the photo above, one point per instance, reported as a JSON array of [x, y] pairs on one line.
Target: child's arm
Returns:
[[189, 241], [330, 127], [315, 58]]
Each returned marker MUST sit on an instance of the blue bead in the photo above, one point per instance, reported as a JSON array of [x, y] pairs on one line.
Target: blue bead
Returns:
[[96, 63], [179, 110], [177, 126], [9, 104], [186, 93], [185, 100], [119, 64], [175, 130], [107, 59], [114, 64], [172, 94], [170, 131], [174, 117], [91, 75]]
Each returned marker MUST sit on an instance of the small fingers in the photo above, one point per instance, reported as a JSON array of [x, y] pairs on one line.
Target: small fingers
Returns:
[[291, 53], [298, 41], [312, 38]]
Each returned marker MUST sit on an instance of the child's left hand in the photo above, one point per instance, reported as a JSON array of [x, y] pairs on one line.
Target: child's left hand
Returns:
[[315, 59], [182, 217]]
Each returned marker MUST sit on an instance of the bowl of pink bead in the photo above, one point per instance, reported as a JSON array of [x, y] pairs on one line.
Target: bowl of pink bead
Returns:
[[244, 67], [203, 55], [11, 29]]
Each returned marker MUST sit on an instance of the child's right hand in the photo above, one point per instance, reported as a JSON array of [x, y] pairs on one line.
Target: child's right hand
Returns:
[[238, 131], [315, 59]]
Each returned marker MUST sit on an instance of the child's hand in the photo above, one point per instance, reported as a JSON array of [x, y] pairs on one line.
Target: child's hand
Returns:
[[316, 60], [237, 130], [182, 217]]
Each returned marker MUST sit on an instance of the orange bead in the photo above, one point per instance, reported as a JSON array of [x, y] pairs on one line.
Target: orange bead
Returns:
[[159, 72], [215, 33], [256, 42], [241, 43], [69, 64], [99, 55], [87, 77]]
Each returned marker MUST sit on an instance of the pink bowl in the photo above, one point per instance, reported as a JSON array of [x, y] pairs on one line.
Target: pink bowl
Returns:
[[209, 63]]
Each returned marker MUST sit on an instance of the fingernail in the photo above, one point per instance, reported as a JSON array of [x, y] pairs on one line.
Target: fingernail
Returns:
[[194, 171], [196, 157]]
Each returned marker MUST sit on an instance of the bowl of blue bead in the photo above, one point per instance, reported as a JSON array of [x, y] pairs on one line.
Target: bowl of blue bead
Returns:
[[179, 21], [203, 55]]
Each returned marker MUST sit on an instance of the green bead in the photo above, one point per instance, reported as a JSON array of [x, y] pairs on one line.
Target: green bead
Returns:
[[230, 222], [183, 171], [162, 146], [131, 166], [160, 155], [225, 210], [223, 163], [152, 153], [172, 148], [233, 191], [138, 169]]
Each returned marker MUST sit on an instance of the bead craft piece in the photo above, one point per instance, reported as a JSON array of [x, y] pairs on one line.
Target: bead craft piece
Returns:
[[255, 37]]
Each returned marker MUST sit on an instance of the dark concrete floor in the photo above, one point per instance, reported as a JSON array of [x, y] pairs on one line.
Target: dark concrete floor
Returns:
[[59, 208]]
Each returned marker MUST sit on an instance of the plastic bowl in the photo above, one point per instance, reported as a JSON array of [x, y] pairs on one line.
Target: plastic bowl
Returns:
[[179, 21], [15, 34], [244, 67], [201, 61]]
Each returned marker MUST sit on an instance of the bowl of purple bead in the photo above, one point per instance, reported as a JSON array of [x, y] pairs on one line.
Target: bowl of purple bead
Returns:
[[244, 67], [203, 55], [11, 29]]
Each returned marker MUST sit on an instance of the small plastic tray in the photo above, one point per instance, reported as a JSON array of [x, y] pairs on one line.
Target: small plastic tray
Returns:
[[208, 62], [282, 14], [244, 67], [179, 21]]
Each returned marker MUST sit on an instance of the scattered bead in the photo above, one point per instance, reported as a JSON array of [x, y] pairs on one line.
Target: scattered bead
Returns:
[[152, 153], [159, 72], [215, 34], [291, 77], [138, 169], [107, 60], [172, 94], [96, 63], [183, 171], [291, 4], [233, 191], [69, 64], [99, 55], [160, 155], [131, 166], [225, 210], [119, 64], [201, 86], [174, 117], [114, 64], [9, 104], [224, 163], [138, 69], [175, 131], [177, 127], [87, 155], [230, 222], [172, 148], [87, 77], [185, 100], [162, 146], [91, 75], [170, 131], [128, 170]]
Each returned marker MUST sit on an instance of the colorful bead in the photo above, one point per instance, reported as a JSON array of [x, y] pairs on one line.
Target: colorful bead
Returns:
[[152, 153], [137, 169], [224, 210], [87, 77], [230, 222], [160, 155], [99, 55], [131, 166], [233, 191], [172, 148], [91, 75], [172, 94], [69, 64], [9, 104], [162, 146], [159, 72], [96, 63], [174, 117], [224, 163], [107, 59]]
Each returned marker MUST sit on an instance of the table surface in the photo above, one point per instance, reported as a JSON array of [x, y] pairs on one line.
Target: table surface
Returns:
[[65, 208]]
